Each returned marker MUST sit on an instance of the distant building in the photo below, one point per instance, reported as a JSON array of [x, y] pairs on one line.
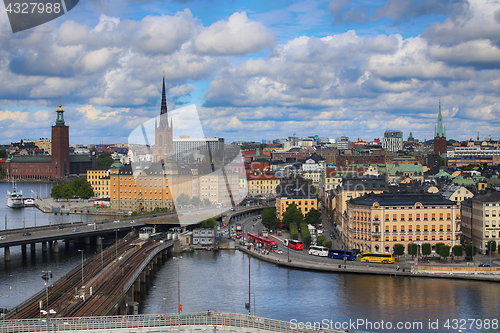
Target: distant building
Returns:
[[98, 178], [343, 143], [296, 191], [204, 236], [481, 219], [393, 140]]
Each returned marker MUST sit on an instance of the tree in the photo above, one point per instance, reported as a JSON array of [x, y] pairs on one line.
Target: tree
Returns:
[[444, 251], [438, 248], [412, 249], [306, 235], [3, 153], [105, 159], [182, 200], [470, 250], [269, 219], [82, 188], [492, 246], [292, 215], [327, 244], [313, 217], [195, 201], [399, 249], [426, 249], [208, 223], [206, 203], [458, 250], [321, 240], [294, 232]]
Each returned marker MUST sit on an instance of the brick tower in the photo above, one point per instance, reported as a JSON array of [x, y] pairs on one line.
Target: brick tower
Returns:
[[60, 146], [164, 143]]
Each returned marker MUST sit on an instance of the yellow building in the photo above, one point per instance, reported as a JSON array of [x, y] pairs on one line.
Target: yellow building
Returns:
[[45, 144], [98, 178], [298, 192], [262, 183], [376, 222]]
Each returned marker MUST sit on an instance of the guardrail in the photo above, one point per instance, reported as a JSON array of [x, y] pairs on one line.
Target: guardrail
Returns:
[[235, 320]]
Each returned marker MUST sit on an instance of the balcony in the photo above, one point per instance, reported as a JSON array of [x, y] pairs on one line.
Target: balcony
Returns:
[[376, 233], [376, 222], [458, 232]]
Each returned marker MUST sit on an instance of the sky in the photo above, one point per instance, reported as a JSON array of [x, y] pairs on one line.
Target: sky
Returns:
[[256, 70]]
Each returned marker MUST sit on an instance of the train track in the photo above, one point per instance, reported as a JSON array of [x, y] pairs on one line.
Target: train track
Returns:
[[103, 283]]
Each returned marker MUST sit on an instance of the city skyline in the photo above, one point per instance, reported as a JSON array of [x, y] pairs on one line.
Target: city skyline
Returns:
[[256, 70]]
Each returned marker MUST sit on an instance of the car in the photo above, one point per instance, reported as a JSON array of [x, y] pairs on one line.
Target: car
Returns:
[[279, 252], [27, 234], [485, 264], [60, 227], [259, 217], [255, 219], [132, 221], [2, 237], [75, 229], [155, 215], [232, 209], [116, 221]]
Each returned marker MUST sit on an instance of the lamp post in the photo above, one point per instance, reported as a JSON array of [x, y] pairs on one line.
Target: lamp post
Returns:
[[46, 276], [254, 308], [82, 264]]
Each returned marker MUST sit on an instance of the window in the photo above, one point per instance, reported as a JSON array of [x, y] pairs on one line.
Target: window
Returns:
[[448, 227], [433, 227], [387, 217], [394, 228], [402, 217], [386, 228], [394, 239], [418, 227], [402, 238], [448, 216], [402, 228], [410, 217], [418, 217], [433, 217], [440, 216], [394, 217], [425, 217], [426, 227], [441, 228]]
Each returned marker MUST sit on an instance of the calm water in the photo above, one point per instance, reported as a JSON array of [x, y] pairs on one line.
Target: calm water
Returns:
[[30, 216]]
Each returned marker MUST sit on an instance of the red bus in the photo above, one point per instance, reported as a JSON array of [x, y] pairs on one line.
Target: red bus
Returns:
[[239, 229], [294, 244], [267, 243]]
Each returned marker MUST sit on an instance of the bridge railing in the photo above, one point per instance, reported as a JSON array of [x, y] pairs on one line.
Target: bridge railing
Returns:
[[184, 321]]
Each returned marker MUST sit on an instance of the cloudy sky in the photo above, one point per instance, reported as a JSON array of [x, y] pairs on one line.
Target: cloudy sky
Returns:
[[256, 69]]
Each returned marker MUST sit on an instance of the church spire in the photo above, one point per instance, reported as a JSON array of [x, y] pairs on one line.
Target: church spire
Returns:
[[163, 99], [440, 130]]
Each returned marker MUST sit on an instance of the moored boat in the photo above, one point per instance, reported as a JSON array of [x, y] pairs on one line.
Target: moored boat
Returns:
[[15, 198]]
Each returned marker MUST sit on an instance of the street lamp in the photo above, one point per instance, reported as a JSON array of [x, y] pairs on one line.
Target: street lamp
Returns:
[[82, 264], [46, 277]]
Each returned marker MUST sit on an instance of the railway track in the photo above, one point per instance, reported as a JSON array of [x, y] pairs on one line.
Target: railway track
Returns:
[[103, 283]]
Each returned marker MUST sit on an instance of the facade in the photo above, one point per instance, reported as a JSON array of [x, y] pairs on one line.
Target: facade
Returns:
[[344, 143], [456, 193], [481, 219], [392, 141], [297, 191], [440, 135], [378, 221], [191, 149], [396, 172], [262, 183], [204, 236], [98, 178], [292, 153]]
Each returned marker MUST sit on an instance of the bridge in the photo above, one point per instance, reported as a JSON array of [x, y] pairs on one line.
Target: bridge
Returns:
[[200, 322]]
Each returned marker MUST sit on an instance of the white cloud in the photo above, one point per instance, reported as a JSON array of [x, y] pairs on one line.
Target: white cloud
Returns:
[[181, 90], [92, 113], [236, 36]]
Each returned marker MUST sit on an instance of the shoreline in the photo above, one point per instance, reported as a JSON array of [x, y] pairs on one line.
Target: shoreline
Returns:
[[373, 270]]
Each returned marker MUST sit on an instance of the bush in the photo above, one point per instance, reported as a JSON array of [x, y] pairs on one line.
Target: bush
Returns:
[[444, 251], [458, 251], [438, 248], [294, 232], [306, 235], [412, 249], [469, 250], [321, 240]]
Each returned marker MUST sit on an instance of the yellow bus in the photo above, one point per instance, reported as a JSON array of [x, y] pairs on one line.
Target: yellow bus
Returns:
[[384, 258]]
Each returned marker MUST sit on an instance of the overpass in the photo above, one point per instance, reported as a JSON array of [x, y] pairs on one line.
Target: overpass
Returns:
[[200, 322]]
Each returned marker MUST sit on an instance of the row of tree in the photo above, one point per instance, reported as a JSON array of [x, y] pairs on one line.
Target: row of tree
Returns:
[[184, 200], [441, 249], [78, 187]]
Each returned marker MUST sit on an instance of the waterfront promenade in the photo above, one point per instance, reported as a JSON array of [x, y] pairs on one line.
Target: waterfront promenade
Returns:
[[338, 266]]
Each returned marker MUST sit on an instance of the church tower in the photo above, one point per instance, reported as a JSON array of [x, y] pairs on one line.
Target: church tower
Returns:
[[164, 144], [60, 146], [440, 135]]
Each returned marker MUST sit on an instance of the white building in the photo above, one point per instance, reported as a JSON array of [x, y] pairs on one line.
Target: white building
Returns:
[[392, 140]]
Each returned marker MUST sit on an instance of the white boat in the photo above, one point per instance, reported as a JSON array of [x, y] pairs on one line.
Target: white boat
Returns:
[[15, 198], [29, 202]]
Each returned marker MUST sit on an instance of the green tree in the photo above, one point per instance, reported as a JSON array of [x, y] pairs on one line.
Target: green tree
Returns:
[[195, 201], [458, 250], [470, 250], [3, 173], [292, 215], [206, 203], [399, 249], [294, 232], [426, 249], [492, 246], [438, 248], [412, 249], [444, 251], [306, 235], [82, 188], [313, 217], [3, 153], [321, 240], [269, 219], [208, 223], [182, 200], [105, 159], [327, 244]]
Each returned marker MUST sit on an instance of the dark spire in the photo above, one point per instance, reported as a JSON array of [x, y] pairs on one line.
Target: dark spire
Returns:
[[163, 99]]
